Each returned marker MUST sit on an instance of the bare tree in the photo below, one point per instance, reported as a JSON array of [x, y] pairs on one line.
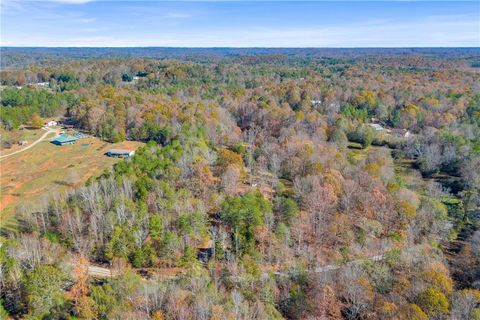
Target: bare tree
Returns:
[[230, 179]]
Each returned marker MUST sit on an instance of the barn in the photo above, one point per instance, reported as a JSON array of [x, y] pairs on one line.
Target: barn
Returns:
[[63, 139]]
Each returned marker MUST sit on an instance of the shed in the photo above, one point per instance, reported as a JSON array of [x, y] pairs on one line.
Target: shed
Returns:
[[51, 123], [63, 139], [120, 153], [376, 126], [400, 133], [205, 251]]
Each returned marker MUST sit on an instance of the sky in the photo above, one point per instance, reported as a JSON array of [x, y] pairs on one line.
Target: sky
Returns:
[[101, 23]]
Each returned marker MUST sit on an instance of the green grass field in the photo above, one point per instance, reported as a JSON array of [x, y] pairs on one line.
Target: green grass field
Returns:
[[14, 136], [29, 178]]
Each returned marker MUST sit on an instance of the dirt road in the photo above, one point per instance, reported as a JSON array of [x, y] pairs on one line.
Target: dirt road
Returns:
[[49, 130], [102, 272], [99, 272]]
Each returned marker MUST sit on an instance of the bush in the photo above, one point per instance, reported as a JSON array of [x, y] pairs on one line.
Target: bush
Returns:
[[414, 312], [37, 121], [433, 302], [44, 290]]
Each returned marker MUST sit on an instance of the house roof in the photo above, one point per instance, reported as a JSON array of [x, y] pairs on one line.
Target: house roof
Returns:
[[64, 138], [119, 151]]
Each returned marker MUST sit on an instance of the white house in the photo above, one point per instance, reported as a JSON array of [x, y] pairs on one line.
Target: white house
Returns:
[[43, 84], [51, 123]]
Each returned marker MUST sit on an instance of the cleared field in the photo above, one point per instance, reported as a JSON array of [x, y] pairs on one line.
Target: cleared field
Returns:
[[18, 135], [29, 178]]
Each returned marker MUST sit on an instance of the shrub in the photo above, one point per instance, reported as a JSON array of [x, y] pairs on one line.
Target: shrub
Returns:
[[433, 302]]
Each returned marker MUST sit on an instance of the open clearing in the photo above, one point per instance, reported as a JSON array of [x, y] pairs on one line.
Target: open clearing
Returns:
[[29, 178], [48, 131], [14, 136]]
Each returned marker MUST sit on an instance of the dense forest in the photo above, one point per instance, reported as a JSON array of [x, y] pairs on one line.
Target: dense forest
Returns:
[[265, 189]]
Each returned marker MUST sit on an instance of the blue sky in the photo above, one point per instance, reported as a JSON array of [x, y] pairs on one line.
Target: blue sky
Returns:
[[240, 24]]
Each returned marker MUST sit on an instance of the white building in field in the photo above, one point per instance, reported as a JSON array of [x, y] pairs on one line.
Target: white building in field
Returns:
[[51, 123]]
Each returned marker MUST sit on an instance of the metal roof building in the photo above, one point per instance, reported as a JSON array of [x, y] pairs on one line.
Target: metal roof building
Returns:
[[120, 153], [63, 139]]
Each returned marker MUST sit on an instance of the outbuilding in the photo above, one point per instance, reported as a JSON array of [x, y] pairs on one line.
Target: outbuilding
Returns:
[[63, 139], [120, 153], [205, 251], [400, 133], [376, 126]]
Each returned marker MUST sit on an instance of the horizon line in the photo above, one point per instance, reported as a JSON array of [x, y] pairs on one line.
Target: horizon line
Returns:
[[234, 47]]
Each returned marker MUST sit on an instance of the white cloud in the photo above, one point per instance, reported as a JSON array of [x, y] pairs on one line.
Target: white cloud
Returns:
[[87, 20], [89, 39], [67, 1], [426, 31], [173, 15], [12, 6]]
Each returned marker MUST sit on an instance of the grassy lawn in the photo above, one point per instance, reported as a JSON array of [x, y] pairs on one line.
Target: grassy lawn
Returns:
[[356, 152], [29, 178], [14, 136], [410, 176]]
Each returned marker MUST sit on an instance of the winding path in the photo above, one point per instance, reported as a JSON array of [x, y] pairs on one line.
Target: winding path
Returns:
[[49, 130], [102, 272]]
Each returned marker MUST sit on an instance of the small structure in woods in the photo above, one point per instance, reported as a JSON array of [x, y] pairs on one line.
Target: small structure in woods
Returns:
[[400, 133], [205, 251], [120, 153], [376, 126]]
